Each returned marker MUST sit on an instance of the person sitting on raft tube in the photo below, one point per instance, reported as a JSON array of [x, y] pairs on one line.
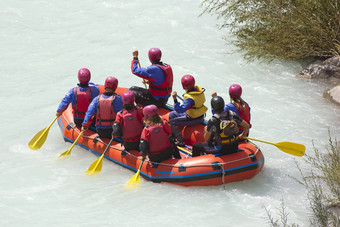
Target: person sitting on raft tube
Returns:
[[105, 106], [237, 104], [221, 133], [129, 122], [192, 110], [159, 76], [157, 141], [80, 97]]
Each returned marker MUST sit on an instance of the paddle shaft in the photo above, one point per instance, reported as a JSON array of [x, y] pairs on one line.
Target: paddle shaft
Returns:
[[68, 152], [261, 141], [146, 87], [74, 143], [140, 166], [107, 148], [180, 98]]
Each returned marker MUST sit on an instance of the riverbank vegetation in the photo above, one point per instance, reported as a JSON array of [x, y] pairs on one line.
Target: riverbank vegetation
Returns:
[[323, 186], [288, 29]]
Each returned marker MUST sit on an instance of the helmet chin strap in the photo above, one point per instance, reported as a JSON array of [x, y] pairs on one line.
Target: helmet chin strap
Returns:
[[129, 106], [83, 85]]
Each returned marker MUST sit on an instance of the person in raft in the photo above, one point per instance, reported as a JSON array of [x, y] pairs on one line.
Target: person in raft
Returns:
[[237, 104], [129, 122], [221, 133], [80, 97], [156, 140], [105, 107], [192, 110], [159, 76]]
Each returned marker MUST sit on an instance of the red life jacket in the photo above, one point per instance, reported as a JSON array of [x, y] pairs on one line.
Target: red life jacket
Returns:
[[166, 87], [132, 127], [105, 111], [159, 140], [244, 113], [83, 100]]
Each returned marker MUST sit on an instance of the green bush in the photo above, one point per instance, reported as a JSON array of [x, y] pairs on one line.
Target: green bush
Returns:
[[323, 186], [284, 29]]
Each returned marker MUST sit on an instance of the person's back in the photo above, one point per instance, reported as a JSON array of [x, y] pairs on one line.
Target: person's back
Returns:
[[225, 131], [80, 97], [104, 107], [155, 136], [221, 133], [238, 105], [192, 110], [159, 76], [129, 123]]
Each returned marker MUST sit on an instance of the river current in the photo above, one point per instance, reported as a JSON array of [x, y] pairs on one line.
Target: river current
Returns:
[[42, 46]]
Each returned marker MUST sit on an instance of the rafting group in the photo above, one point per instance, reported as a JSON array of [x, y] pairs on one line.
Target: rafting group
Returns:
[[133, 117]]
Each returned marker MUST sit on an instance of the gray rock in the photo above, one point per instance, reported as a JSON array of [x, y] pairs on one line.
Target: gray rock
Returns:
[[328, 70], [333, 61], [322, 70], [333, 94]]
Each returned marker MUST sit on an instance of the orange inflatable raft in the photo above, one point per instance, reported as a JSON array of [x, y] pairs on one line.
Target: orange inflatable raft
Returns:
[[205, 170]]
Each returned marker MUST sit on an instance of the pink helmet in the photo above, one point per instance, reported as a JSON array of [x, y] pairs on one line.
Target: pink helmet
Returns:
[[149, 111], [128, 98], [84, 75], [111, 82], [188, 81], [155, 54], [235, 91]]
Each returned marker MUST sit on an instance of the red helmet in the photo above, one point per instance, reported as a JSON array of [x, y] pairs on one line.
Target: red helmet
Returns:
[[155, 54], [128, 97], [84, 75], [111, 82], [235, 91], [188, 81], [149, 111]]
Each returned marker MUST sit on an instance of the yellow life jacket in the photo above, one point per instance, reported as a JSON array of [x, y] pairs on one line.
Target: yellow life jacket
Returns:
[[199, 98]]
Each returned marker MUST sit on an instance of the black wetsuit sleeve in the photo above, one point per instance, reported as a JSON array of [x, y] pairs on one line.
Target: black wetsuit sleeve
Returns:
[[144, 147], [117, 130]]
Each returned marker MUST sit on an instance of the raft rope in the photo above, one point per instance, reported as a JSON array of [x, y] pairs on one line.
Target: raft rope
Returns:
[[165, 164], [223, 175]]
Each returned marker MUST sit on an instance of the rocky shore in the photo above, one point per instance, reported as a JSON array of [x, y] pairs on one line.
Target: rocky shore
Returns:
[[328, 70]]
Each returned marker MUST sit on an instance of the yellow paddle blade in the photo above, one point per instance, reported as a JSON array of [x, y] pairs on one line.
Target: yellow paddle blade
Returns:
[[287, 147], [134, 181], [96, 166], [292, 148], [39, 139], [68, 152]]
